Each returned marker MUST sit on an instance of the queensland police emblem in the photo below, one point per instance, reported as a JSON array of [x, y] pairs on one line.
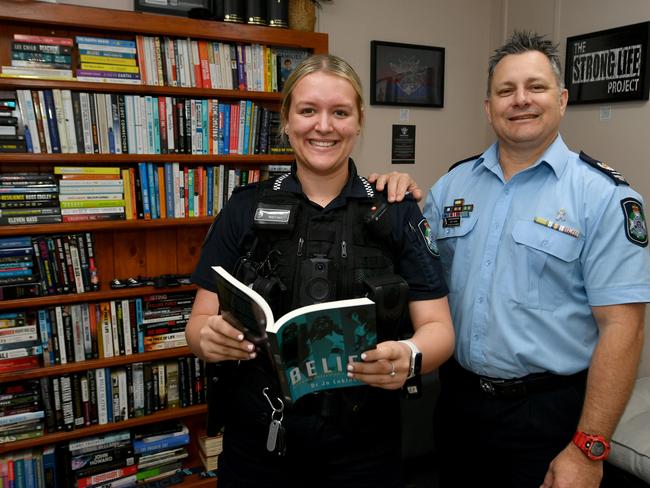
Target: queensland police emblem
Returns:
[[425, 232], [636, 229]]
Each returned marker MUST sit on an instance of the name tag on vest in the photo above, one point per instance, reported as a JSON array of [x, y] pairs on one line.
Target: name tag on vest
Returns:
[[275, 216]]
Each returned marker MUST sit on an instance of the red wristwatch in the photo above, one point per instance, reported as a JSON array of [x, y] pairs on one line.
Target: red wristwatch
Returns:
[[595, 447]]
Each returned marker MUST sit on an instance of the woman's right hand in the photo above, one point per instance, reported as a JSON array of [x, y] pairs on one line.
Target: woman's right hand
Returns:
[[220, 341], [210, 336]]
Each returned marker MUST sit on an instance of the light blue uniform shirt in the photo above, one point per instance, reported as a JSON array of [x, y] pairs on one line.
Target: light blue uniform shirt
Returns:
[[520, 292]]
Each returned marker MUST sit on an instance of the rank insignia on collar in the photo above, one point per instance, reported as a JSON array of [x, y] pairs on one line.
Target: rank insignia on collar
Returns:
[[636, 229], [454, 213]]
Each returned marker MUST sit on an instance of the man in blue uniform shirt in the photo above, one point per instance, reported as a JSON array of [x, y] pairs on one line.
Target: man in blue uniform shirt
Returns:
[[545, 255]]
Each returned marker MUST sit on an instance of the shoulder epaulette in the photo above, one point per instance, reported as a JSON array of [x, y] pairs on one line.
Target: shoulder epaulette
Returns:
[[471, 158], [602, 167], [249, 186]]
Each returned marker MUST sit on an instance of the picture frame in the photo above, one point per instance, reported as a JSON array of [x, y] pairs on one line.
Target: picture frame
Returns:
[[406, 75], [170, 7], [608, 66]]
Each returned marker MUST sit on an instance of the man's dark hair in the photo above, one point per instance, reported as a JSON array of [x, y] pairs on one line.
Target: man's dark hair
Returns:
[[524, 41]]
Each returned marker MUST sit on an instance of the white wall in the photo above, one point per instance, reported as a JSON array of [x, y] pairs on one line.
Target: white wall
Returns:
[[443, 136], [622, 142]]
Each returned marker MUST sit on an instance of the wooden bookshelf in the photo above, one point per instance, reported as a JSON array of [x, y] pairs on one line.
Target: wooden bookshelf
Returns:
[[160, 416], [135, 247], [61, 369]]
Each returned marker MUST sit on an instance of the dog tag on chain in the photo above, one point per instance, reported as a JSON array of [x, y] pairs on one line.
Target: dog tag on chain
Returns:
[[272, 439]]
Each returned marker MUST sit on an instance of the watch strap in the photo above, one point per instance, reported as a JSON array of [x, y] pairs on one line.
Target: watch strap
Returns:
[[595, 447], [412, 361]]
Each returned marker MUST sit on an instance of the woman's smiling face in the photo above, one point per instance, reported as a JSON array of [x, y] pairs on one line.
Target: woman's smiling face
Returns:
[[323, 123]]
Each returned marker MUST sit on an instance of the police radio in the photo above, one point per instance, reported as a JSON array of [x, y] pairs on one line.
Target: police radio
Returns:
[[317, 278]]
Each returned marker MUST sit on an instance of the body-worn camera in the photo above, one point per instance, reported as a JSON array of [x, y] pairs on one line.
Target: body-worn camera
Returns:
[[319, 285]]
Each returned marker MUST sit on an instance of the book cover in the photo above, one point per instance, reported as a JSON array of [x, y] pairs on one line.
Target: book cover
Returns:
[[311, 346], [287, 60]]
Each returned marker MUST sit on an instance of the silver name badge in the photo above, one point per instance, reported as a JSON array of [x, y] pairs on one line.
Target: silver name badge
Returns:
[[272, 215]]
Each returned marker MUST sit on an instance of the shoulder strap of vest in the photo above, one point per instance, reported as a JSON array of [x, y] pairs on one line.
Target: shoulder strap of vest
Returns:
[[457, 163], [616, 177]]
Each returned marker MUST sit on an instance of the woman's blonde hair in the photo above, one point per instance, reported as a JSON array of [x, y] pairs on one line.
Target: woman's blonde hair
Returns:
[[327, 63]]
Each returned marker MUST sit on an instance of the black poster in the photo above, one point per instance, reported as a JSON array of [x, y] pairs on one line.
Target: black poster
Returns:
[[403, 150], [608, 66]]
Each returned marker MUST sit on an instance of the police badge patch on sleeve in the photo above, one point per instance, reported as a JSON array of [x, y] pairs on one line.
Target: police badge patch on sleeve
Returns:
[[425, 232], [636, 230]]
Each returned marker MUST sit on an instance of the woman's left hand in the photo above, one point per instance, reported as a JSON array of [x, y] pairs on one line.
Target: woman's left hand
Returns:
[[386, 366]]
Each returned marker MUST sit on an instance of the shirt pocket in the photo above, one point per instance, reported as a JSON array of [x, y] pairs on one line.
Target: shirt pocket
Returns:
[[455, 244], [546, 265]]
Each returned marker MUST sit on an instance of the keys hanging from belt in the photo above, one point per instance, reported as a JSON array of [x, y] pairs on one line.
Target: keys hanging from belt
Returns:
[[275, 441]]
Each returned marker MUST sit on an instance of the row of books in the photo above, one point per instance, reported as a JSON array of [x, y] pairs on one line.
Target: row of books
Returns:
[[218, 65], [155, 60], [108, 395], [73, 333], [117, 459], [147, 191], [64, 121], [47, 265]]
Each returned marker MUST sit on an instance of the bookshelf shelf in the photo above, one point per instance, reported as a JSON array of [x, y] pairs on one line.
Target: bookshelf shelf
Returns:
[[160, 416], [126, 24], [92, 296], [35, 84], [103, 159], [72, 227], [62, 369]]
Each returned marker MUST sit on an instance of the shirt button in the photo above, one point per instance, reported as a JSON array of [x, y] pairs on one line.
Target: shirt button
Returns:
[[544, 243], [480, 299], [475, 337], [507, 191], [447, 231], [488, 262]]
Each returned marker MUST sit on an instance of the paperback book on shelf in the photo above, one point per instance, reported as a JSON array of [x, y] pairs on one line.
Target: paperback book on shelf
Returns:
[[309, 347]]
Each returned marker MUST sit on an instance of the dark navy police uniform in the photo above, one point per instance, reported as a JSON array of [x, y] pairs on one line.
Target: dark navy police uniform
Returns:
[[347, 437]]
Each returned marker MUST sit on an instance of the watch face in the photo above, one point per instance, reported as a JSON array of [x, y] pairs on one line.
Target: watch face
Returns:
[[417, 363], [597, 448]]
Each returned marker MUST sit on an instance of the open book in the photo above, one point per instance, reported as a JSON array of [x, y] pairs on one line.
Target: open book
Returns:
[[310, 347]]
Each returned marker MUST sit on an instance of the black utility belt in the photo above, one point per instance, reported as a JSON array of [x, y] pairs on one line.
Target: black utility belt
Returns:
[[521, 387], [533, 383]]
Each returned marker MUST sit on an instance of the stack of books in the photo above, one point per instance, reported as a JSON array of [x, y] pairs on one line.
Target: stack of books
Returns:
[[11, 137], [89, 193], [28, 198], [160, 450], [209, 450], [93, 461], [40, 57], [18, 276], [107, 60], [164, 318], [21, 414], [20, 346]]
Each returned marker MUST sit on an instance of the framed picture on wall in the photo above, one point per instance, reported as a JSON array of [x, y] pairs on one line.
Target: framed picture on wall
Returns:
[[170, 7], [406, 74], [609, 65]]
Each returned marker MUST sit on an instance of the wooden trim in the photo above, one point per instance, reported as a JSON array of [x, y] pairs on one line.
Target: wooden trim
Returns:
[[92, 18], [102, 159], [61, 369], [174, 91], [160, 416], [92, 296], [74, 227]]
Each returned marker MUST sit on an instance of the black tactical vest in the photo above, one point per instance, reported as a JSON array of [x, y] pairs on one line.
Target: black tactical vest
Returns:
[[317, 255]]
